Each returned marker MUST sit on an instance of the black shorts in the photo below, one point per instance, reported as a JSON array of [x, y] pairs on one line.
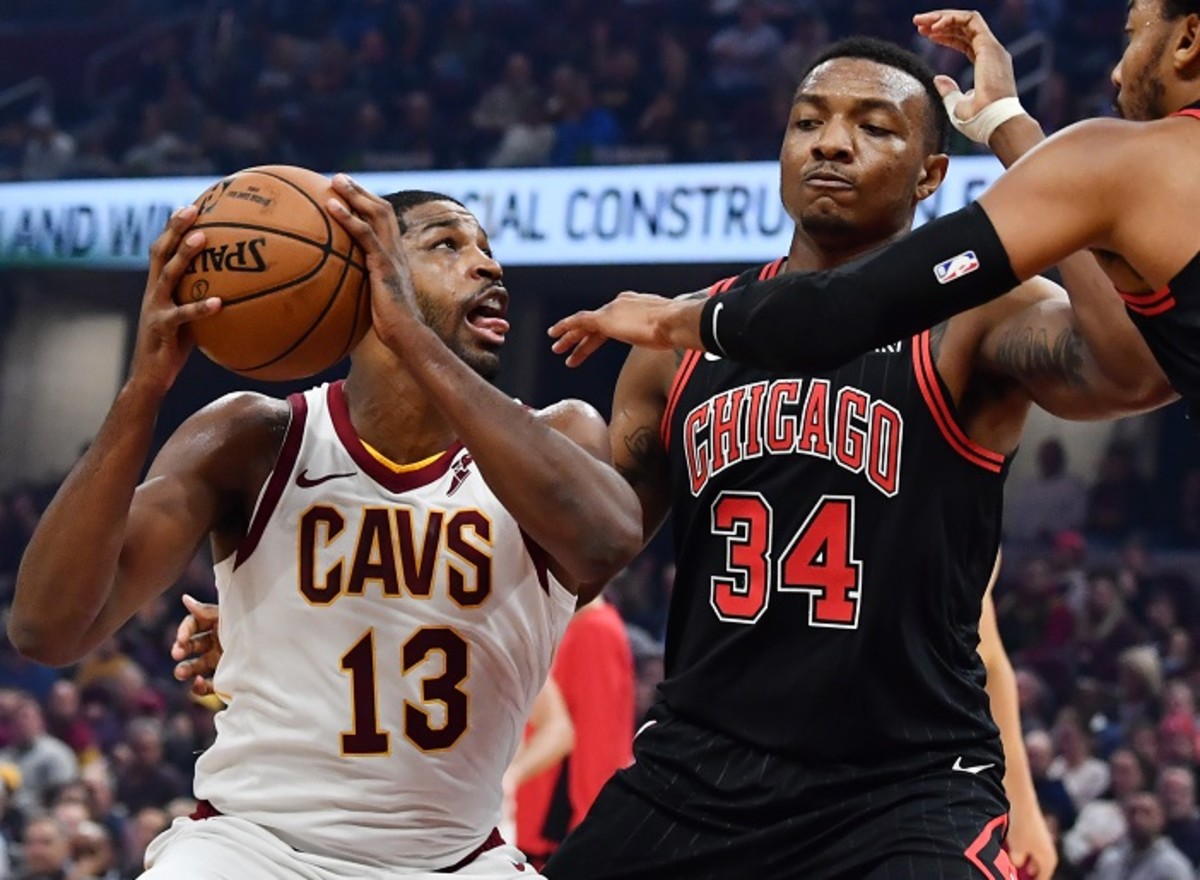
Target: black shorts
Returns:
[[698, 805]]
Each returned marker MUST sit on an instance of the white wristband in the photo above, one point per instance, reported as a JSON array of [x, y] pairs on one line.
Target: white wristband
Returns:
[[983, 124]]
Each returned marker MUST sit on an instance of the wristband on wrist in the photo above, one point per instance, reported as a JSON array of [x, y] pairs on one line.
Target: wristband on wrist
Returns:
[[983, 124]]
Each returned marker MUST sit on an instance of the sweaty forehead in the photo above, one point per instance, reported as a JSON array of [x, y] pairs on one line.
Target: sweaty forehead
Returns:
[[861, 79], [440, 214]]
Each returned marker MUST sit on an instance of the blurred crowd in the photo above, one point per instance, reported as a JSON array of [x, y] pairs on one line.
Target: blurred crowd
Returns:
[[417, 84], [1098, 604]]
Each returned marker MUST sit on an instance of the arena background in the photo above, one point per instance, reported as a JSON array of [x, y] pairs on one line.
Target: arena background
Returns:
[[113, 113]]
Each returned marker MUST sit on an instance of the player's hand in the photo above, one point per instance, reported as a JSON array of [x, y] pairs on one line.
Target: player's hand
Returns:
[[641, 319], [163, 340], [1030, 844], [968, 33], [197, 648], [372, 223]]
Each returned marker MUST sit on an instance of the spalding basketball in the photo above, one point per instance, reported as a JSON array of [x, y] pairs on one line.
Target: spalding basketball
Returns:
[[291, 279]]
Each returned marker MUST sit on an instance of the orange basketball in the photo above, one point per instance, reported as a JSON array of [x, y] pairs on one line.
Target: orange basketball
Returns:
[[292, 280]]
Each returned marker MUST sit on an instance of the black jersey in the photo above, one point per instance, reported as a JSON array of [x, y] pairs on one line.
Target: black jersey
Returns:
[[1169, 320], [834, 535]]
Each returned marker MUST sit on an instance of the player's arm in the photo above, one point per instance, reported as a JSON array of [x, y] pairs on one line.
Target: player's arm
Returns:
[[1059, 198], [639, 404], [551, 738], [104, 545], [552, 470], [1081, 358], [1029, 838]]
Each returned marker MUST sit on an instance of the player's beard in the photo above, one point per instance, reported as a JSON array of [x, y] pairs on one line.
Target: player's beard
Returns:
[[1144, 99], [450, 324]]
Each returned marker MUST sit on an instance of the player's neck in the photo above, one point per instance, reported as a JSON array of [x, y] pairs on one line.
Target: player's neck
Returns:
[[392, 415], [815, 254]]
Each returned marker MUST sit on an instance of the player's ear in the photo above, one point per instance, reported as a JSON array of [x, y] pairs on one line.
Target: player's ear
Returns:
[[1187, 47], [933, 172]]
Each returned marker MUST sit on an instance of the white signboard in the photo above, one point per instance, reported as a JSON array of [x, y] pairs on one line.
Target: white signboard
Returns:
[[671, 214]]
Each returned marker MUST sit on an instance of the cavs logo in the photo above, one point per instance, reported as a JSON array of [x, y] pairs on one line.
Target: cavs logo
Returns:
[[462, 469]]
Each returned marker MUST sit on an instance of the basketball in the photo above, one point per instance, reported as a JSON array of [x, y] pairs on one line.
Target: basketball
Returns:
[[291, 279]]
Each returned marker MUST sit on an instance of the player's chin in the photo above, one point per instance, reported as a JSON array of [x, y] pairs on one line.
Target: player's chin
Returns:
[[483, 359]]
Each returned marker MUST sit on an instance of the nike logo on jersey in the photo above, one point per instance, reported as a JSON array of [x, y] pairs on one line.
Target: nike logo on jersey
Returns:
[[973, 769], [709, 356], [304, 481]]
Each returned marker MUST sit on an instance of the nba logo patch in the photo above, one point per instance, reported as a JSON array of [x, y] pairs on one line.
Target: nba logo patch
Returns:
[[956, 267]]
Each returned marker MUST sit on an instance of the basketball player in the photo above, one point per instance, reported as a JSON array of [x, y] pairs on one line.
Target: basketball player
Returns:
[[397, 557], [823, 713], [1122, 188]]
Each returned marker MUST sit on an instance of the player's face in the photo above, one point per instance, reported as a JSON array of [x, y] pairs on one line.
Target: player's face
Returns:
[[855, 150], [1138, 76], [459, 286]]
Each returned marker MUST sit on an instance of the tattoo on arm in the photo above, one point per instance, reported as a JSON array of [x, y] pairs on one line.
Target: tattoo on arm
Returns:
[[1029, 353], [646, 460]]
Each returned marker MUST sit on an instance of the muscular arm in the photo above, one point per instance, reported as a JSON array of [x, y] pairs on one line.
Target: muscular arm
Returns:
[[1079, 357], [551, 470], [639, 403], [137, 538]]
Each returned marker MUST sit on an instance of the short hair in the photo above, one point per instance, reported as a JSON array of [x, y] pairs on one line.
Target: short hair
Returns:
[[891, 55], [1172, 9], [407, 199]]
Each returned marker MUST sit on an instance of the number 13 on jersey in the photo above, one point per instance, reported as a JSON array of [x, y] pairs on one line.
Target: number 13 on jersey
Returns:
[[819, 560]]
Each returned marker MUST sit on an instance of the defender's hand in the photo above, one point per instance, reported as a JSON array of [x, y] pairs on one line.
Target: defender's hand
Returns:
[[968, 33], [641, 319], [197, 646], [163, 340]]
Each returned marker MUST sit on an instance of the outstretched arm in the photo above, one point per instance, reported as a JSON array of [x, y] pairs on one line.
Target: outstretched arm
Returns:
[[136, 539], [1081, 358]]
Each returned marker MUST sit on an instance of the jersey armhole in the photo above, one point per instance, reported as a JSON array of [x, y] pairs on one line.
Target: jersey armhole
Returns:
[[280, 474], [937, 400]]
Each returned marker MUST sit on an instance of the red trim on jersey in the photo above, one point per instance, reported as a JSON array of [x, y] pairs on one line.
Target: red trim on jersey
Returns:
[[1149, 302], [277, 482], [393, 481], [684, 372], [688, 364], [943, 414], [1188, 111], [1003, 869]]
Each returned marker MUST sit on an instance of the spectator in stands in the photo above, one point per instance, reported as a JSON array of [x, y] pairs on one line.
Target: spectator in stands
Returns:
[[1052, 501], [506, 103], [1085, 776], [45, 851], [528, 142], [146, 780], [93, 856], [1145, 852], [1106, 628], [1052, 795], [49, 150], [1101, 822], [743, 56], [581, 129], [1177, 792], [1116, 502], [44, 761], [142, 827]]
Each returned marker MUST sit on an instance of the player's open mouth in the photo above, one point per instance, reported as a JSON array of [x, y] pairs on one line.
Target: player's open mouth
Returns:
[[487, 317]]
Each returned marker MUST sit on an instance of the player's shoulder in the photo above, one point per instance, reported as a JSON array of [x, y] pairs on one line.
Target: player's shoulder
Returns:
[[236, 425], [581, 422]]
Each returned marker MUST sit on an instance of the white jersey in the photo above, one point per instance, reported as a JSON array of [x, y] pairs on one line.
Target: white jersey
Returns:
[[385, 634]]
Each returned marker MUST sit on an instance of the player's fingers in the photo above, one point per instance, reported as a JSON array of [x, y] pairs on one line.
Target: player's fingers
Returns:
[[571, 323], [201, 686], [183, 637], [202, 643], [569, 340], [362, 231], [585, 349], [205, 614], [178, 223], [946, 85]]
